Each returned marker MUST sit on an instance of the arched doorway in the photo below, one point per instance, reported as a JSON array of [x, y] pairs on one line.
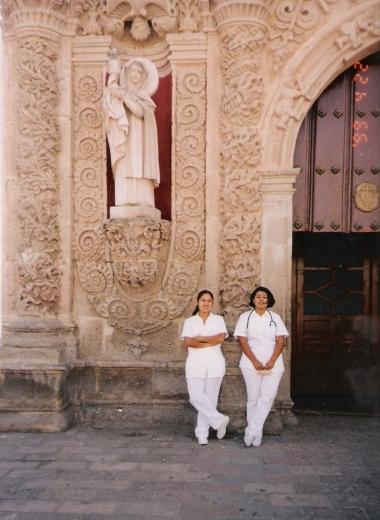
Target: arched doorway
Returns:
[[336, 245]]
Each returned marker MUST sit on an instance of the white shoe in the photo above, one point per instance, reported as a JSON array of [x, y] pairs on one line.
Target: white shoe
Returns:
[[202, 441], [221, 431], [248, 439], [257, 441]]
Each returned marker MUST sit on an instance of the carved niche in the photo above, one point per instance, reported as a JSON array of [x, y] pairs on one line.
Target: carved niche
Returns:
[[139, 274]]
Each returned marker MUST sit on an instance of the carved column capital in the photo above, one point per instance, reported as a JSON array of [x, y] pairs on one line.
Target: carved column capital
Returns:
[[52, 19], [187, 47], [252, 12], [278, 182]]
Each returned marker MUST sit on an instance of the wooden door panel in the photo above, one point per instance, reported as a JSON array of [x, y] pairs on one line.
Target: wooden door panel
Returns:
[[338, 153], [334, 339]]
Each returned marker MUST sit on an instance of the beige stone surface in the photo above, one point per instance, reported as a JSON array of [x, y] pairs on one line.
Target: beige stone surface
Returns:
[[86, 294]]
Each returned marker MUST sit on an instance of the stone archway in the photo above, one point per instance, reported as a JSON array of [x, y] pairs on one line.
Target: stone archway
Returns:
[[328, 53], [331, 50]]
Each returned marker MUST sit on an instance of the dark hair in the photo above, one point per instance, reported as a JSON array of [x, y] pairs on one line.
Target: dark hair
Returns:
[[271, 300], [200, 294]]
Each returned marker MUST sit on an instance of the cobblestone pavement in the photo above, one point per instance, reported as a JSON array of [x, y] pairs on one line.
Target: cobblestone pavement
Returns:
[[325, 468]]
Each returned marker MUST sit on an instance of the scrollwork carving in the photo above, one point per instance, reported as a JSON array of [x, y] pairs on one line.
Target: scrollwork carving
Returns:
[[96, 277], [124, 266], [292, 23]]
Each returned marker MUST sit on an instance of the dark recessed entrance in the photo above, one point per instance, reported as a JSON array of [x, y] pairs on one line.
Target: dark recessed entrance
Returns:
[[336, 247], [335, 344]]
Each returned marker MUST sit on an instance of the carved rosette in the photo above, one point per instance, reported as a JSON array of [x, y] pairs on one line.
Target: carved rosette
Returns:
[[124, 266], [241, 110], [37, 146]]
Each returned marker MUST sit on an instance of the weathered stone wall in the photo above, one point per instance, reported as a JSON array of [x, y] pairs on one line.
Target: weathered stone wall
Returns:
[[93, 307]]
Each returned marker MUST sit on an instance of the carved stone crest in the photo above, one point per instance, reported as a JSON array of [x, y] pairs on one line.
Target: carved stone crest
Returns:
[[133, 247], [367, 196]]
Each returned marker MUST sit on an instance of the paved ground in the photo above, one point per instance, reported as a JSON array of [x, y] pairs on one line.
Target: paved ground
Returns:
[[325, 468]]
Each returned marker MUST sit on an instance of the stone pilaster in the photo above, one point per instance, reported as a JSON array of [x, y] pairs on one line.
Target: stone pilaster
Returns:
[[277, 188], [39, 336], [242, 28]]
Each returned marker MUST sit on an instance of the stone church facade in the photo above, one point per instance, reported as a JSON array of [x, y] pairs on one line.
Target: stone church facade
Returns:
[[92, 306]]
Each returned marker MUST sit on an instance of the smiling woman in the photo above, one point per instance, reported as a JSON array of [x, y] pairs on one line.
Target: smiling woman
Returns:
[[203, 335], [261, 334]]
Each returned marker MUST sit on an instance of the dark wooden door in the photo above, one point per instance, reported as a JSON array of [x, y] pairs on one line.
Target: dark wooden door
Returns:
[[335, 345], [335, 322]]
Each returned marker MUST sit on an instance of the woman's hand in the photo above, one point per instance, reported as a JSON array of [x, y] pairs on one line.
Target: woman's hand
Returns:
[[258, 365], [269, 364], [277, 351]]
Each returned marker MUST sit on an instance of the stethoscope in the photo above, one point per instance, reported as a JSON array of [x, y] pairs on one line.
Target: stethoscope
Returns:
[[270, 323]]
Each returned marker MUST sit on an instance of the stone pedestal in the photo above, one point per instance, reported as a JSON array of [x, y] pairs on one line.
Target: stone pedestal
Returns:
[[132, 211]]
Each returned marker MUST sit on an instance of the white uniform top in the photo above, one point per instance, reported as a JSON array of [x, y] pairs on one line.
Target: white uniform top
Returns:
[[261, 332], [206, 361]]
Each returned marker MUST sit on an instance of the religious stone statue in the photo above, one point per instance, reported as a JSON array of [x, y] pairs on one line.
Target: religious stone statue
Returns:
[[132, 135]]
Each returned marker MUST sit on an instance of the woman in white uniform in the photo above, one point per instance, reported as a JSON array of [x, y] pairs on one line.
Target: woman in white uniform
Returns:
[[261, 336], [202, 335]]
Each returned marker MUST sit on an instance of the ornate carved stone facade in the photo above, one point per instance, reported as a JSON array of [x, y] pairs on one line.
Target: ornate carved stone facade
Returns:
[[244, 74]]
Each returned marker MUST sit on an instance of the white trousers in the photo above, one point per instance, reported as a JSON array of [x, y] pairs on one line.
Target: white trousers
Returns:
[[261, 392], [204, 393]]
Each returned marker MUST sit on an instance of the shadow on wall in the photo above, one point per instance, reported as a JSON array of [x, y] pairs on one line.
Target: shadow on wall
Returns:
[[365, 384], [362, 365]]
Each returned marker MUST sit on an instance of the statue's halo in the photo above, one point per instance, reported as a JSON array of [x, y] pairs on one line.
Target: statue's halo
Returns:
[[151, 82]]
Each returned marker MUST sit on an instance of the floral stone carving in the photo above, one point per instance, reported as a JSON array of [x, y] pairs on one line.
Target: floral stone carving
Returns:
[[241, 110], [38, 144]]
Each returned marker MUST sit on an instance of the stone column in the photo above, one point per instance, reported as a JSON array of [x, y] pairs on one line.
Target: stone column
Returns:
[[246, 204], [242, 28], [39, 336]]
